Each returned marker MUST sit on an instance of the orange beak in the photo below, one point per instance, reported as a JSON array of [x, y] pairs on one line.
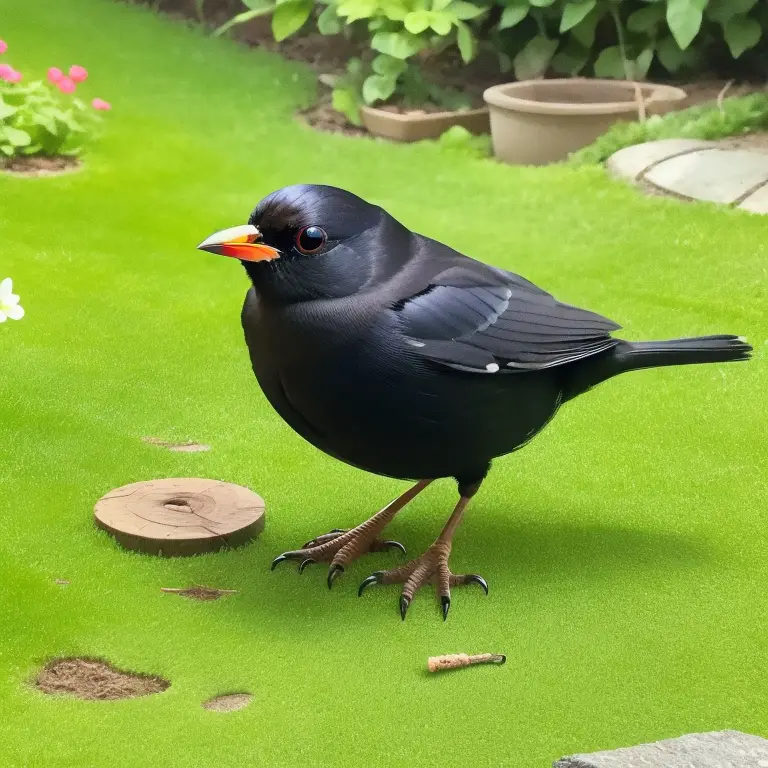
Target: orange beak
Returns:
[[239, 243]]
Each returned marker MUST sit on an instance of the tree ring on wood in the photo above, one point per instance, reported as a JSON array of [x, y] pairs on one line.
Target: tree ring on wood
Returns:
[[178, 517]]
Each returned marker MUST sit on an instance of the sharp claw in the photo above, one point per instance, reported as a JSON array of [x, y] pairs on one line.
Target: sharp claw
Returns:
[[473, 578], [305, 563], [446, 603], [393, 545], [279, 559], [372, 579], [404, 603], [333, 573]]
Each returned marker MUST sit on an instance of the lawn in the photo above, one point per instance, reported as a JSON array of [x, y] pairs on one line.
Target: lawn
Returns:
[[626, 548]]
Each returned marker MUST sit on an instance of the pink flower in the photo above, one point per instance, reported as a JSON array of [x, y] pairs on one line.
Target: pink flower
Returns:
[[5, 70], [12, 77], [3, 46], [66, 85], [55, 75], [77, 73], [101, 104]]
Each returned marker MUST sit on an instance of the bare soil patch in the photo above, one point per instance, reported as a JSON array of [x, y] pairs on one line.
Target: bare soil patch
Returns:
[[39, 165], [229, 702], [200, 592], [95, 680], [188, 447]]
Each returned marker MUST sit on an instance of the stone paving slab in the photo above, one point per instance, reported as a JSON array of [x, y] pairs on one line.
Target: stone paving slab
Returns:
[[717, 175], [717, 749], [757, 202], [631, 162]]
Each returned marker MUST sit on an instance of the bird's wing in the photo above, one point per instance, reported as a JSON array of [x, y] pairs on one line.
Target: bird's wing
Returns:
[[474, 317]]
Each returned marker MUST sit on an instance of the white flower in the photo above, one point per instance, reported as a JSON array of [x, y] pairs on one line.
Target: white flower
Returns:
[[9, 302]]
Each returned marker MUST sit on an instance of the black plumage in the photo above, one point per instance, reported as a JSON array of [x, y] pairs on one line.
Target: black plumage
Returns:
[[398, 355]]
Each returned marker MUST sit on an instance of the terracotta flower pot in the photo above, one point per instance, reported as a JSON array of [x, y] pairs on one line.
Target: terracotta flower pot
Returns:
[[536, 122], [425, 125]]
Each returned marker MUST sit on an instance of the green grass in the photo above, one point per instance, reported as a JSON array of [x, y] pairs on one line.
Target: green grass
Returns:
[[625, 547]]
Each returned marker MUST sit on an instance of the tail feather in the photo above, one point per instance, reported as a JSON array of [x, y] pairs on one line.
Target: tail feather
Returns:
[[636, 355], [704, 349]]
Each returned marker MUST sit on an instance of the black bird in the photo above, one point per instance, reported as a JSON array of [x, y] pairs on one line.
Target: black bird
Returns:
[[398, 355]]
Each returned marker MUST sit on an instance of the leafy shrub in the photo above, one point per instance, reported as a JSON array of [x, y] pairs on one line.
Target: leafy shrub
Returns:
[[735, 116], [36, 120], [607, 38]]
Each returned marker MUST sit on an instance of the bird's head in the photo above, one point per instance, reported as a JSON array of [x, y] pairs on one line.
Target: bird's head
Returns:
[[309, 241]]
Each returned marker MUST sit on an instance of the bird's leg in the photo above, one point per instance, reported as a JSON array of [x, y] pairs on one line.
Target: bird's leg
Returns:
[[432, 566], [340, 547]]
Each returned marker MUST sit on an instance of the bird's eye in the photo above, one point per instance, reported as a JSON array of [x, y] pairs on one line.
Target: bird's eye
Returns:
[[310, 240]]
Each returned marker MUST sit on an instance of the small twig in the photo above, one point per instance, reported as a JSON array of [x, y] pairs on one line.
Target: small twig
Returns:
[[721, 95], [458, 660]]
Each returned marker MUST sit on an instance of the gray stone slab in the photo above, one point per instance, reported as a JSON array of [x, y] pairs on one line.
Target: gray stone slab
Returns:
[[757, 202], [630, 162], [717, 175], [717, 749]]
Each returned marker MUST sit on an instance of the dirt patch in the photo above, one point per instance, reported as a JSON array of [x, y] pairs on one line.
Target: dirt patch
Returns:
[[757, 142], [61, 582], [200, 592], [708, 90], [95, 680], [39, 165], [229, 702], [188, 447], [323, 117]]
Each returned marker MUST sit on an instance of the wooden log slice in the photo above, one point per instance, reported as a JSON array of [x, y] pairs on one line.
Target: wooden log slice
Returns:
[[181, 516]]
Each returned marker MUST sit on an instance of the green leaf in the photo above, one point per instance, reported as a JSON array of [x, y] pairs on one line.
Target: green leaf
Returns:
[[417, 21], [646, 19], [642, 64], [541, 3], [684, 20], [584, 32], [722, 10], [258, 5], [463, 10], [670, 55], [394, 10], [513, 15], [328, 21], [741, 33], [401, 45], [610, 63], [441, 24], [571, 59], [466, 41], [16, 137], [574, 13], [241, 18], [290, 17], [388, 66], [345, 101], [353, 10], [440, 5], [533, 60], [378, 88], [6, 110]]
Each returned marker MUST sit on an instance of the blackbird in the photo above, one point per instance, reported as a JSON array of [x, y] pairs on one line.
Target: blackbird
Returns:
[[400, 356]]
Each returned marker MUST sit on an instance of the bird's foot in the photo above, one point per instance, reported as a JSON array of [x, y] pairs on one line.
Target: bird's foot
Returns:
[[339, 548], [430, 568]]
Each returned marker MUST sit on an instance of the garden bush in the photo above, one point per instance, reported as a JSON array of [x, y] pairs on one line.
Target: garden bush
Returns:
[[40, 118], [531, 38]]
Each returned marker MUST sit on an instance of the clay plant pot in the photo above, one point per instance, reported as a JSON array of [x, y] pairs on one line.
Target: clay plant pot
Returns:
[[535, 122], [425, 125]]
